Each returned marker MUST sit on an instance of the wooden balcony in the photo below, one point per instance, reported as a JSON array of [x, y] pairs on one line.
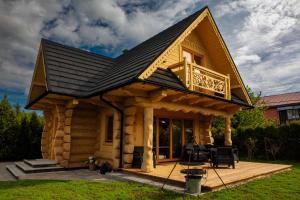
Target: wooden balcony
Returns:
[[202, 79]]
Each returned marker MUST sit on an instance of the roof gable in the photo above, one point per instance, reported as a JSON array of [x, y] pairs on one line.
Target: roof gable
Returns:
[[130, 65], [205, 14]]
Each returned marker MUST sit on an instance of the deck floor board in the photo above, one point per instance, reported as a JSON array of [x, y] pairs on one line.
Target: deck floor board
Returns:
[[244, 171]]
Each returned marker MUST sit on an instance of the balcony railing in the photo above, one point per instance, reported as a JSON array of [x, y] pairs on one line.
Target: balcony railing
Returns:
[[199, 78]]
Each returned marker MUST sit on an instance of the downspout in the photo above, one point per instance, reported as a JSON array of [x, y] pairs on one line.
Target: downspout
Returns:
[[121, 130]]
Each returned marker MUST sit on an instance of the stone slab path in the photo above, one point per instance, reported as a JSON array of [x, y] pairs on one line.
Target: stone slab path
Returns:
[[4, 174]]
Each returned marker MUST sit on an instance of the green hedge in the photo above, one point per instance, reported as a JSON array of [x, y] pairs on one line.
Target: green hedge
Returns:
[[286, 138]]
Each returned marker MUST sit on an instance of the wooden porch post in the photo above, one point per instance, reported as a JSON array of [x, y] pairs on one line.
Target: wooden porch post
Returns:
[[147, 165], [227, 133]]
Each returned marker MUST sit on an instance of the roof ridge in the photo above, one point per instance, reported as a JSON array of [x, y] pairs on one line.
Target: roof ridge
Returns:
[[77, 49]]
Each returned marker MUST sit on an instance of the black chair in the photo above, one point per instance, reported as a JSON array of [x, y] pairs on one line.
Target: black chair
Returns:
[[138, 157], [223, 156], [199, 153]]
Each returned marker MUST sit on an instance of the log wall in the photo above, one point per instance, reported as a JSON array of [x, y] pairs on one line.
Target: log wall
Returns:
[[83, 132]]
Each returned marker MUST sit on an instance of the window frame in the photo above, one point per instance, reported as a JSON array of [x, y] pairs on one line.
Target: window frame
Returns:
[[193, 53], [107, 128]]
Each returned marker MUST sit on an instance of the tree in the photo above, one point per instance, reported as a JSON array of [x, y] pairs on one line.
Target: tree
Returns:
[[248, 118], [254, 117], [20, 132]]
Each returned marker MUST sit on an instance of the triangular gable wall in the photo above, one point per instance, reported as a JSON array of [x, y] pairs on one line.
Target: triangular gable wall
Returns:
[[172, 55], [38, 83]]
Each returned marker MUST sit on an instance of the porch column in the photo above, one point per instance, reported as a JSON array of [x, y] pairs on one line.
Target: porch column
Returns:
[[147, 165], [227, 133]]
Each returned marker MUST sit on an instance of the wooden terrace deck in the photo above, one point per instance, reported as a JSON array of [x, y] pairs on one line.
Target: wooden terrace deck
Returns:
[[243, 172]]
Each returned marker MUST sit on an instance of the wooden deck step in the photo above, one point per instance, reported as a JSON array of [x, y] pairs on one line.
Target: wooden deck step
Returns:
[[37, 163], [15, 171], [29, 169]]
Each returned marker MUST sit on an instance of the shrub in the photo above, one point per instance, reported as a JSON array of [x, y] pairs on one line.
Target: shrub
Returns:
[[271, 142]]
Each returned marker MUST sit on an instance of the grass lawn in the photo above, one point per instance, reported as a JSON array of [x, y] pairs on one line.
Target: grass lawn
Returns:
[[280, 186]]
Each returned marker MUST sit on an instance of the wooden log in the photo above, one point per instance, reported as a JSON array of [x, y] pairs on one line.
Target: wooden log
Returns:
[[58, 142], [129, 130], [87, 142], [128, 148], [147, 165], [66, 155], [58, 150], [64, 163], [127, 158], [82, 150], [59, 133], [59, 158], [79, 157], [130, 111], [67, 129], [67, 138], [69, 113], [115, 163], [227, 134], [68, 121], [67, 147], [129, 120], [129, 139]]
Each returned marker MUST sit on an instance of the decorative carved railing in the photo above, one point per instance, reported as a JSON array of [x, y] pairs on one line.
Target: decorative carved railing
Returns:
[[199, 78]]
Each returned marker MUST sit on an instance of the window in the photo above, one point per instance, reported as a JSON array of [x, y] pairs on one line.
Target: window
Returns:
[[192, 57], [109, 129], [292, 114]]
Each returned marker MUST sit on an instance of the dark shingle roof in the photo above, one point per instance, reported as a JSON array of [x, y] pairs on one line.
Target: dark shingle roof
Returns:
[[72, 71]]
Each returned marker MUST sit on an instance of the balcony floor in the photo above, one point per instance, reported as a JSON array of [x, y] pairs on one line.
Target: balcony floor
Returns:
[[243, 172]]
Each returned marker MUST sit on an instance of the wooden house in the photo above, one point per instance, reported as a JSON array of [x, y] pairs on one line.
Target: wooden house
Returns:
[[156, 95]]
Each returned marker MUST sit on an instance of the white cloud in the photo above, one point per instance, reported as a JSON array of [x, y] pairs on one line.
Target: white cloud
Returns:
[[266, 44]]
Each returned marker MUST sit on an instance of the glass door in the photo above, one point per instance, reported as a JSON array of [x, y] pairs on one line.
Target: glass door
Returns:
[[169, 137], [164, 139], [176, 138]]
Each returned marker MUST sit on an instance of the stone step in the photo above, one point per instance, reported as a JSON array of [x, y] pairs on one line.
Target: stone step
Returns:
[[15, 171], [29, 169], [36, 163]]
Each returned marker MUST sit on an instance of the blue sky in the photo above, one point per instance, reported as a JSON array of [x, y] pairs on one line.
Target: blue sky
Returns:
[[262, 36]]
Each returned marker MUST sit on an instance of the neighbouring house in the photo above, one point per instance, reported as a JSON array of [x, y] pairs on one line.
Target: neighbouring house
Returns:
[[283, 108], [156, 95]]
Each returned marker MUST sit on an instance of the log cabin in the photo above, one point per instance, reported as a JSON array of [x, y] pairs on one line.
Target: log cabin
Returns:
[[157, 95]]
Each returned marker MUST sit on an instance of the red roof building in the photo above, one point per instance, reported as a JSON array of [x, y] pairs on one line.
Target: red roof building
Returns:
[[283, 108]]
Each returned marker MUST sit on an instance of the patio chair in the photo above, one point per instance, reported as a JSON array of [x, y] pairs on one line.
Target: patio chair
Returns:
[[199, 153], [138, 157], [223, 156]]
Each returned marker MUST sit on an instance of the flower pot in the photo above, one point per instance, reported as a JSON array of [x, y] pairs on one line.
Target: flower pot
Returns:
[[92, 167]]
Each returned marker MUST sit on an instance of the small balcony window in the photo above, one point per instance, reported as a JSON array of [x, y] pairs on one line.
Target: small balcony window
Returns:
[[192, 57]]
